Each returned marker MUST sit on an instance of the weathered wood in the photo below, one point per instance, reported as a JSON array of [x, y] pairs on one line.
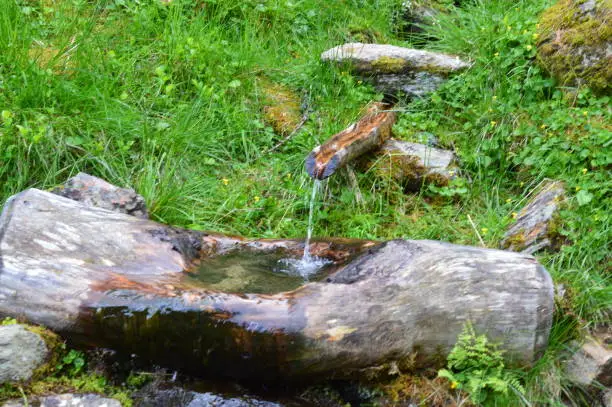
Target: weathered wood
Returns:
[[369, 133], [104, 279], [535, 225]]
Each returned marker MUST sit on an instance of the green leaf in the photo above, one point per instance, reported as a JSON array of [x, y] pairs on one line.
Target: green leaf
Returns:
[[584, 197]]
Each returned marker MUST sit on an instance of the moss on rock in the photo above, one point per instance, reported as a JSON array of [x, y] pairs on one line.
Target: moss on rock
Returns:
[[281, 107], [575, 43], [389, 65]]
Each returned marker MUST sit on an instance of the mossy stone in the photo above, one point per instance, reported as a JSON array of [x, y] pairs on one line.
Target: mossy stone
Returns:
[[389, 65], [575, 43]]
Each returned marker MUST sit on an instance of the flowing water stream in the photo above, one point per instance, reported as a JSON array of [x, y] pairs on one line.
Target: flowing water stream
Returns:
[[272, 272]]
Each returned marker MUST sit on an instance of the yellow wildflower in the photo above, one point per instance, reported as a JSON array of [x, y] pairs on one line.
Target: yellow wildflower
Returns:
[[514, 215], [494, 97], [484, 230], [225, 181], [493, 122], [257, 199], [529, 47], [577, 189], [584, 170], [543, 126], [454, 385], [508, 200], [496, 54], [585, 113], [535, 36]]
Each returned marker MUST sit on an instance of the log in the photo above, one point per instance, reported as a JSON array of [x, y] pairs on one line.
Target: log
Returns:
[[105, 279], [536, 225], [369, 133]]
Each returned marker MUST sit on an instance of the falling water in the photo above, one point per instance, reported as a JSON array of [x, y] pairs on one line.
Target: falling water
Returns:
[[308, 265], [315, 188]]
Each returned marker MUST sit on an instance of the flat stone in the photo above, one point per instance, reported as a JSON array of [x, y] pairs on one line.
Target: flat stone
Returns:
[[93, 191], [21, 353], [533, 229], [390, 59], [66, 400], [413, 164], [591, 365]]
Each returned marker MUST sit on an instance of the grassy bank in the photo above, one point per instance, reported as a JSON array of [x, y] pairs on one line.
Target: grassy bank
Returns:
[[168, 98]]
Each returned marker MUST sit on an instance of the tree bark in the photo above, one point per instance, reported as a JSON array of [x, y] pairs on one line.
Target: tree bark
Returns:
[[104, 279]]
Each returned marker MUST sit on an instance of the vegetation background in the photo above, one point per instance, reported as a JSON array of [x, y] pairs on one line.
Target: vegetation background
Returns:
[[167, 97]]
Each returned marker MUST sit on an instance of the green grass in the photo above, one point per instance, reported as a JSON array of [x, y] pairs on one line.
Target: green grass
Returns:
[[167, 99]]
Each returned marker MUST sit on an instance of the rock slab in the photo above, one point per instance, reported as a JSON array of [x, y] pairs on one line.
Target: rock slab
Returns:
[[396, 70], [413, 164], [21, 353], [93, 191], [591, 365], [66, 400]]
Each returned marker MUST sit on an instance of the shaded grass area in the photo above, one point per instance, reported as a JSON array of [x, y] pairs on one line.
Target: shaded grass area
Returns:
[[166, 98]]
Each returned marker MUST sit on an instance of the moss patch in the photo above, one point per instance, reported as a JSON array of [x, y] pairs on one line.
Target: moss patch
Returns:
[[389, 65], [281, 107], [574, 38]]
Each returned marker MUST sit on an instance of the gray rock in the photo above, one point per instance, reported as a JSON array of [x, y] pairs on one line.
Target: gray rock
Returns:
[[183, 398], [391, 59], [21, 353], [396, 70], [414, 84], [533, 229], [65, 400], [93, 191], [413, 164], [591, 364], [575, 45]]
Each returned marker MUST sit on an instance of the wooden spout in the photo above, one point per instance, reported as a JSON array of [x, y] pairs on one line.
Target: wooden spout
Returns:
[[369, 133]]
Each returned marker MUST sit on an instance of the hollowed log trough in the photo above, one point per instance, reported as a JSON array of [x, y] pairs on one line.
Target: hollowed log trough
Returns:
[[103, 279]]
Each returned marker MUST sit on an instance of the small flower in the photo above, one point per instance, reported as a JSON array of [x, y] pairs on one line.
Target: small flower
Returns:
[[514, 215], [484, 231], [225, 181], [535, 36], [496, 54], [256, 199], [493, 122], [359, 82], [543, 126], [528, 47], [521, 184], [508, 200], [454, 385], [288, 176], [584, 170], [584, 113], [490, 110], [577, 189]]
